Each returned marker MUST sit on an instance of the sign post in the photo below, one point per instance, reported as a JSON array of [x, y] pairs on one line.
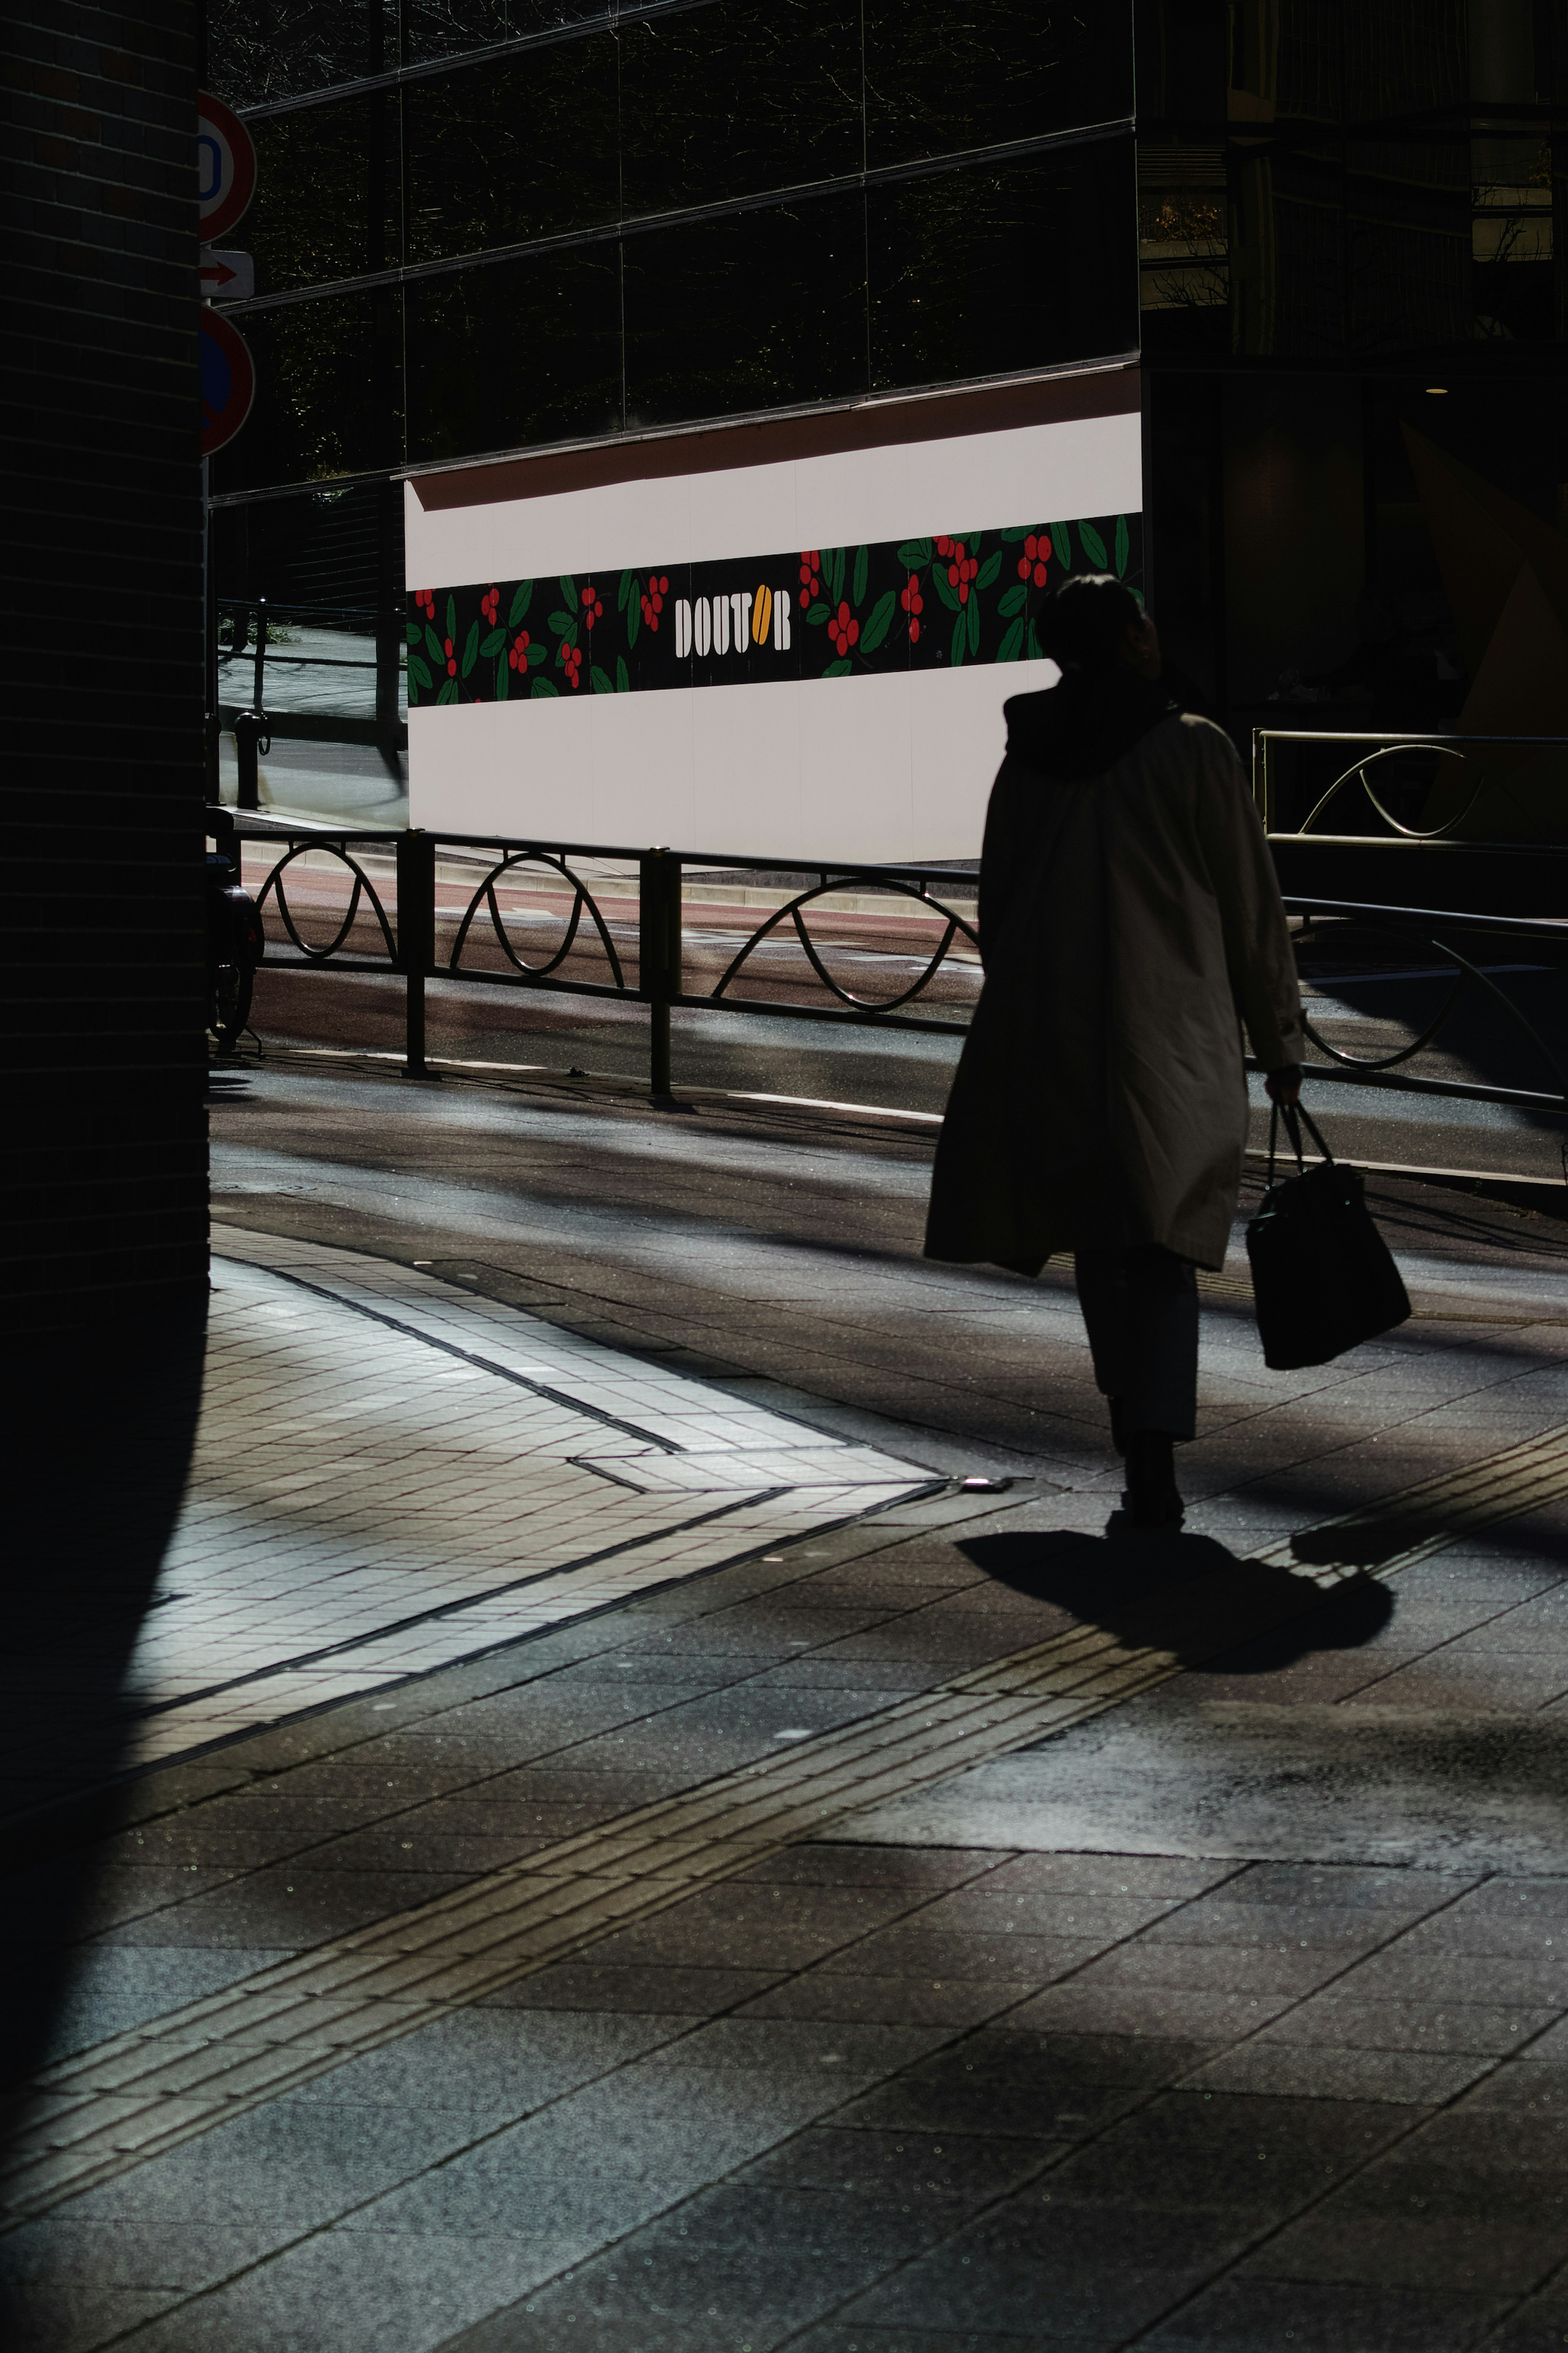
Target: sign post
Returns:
[[225, 182]]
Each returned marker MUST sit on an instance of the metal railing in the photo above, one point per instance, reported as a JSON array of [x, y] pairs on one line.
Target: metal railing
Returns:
[[421, 941], [1390, 753]]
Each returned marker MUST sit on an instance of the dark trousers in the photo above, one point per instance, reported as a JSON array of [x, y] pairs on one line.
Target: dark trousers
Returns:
[[1141, 1308]]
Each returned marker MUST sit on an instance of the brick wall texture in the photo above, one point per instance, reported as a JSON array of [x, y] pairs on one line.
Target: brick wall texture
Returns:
[[104, 1169]]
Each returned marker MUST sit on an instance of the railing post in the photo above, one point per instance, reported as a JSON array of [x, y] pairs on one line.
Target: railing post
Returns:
[[415, 938], [659, 956], [249, 728]]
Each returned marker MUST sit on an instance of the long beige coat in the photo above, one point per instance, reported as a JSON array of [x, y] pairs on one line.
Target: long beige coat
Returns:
[[1126, 922]]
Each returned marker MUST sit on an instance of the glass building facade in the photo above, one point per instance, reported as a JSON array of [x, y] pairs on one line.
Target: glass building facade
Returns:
[[497, 225]]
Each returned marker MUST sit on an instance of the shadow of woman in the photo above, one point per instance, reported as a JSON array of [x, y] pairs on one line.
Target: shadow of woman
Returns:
[[1186, 1595]]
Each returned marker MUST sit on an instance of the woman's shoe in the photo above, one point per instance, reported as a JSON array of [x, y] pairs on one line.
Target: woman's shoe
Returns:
[[1151, 1498]]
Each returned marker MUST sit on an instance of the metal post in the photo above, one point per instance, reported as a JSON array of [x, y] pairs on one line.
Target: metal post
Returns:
[[659, 956], [415, 938], [249, 728], [260, 697]]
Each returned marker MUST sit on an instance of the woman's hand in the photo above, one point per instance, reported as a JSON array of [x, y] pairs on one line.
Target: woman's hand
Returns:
[[1284, 1085]]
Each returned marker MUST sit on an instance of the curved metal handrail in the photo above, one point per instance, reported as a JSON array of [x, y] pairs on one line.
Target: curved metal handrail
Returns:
[[486, 893], [1409, 832], [1467, 974], [363, 887], [792, 908]]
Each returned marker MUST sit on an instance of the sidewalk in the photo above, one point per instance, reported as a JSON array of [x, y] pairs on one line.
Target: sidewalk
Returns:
[[615, 1864]]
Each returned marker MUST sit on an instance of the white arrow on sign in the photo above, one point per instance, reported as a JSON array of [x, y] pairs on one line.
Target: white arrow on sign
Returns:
[[225, 277]]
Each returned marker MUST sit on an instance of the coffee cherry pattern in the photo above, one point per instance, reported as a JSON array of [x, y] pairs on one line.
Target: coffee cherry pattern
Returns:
[[652, 600], [962, 567], [451, 657], [571, 660], [810, 574], [489, 605], [592, 608], [843, 629], [913, 604], [426, 600], [517, 652], [1035, 557]]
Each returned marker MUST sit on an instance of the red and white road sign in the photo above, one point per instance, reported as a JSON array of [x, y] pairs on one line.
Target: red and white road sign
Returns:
[[229, 381], [226, 178], [225, 277]]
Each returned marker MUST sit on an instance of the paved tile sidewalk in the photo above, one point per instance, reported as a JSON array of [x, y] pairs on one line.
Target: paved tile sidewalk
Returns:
[[1232, 2019], [390, 1475]]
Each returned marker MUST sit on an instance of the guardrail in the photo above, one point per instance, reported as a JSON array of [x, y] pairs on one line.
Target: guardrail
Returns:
[[419, 940], [1404, 774]]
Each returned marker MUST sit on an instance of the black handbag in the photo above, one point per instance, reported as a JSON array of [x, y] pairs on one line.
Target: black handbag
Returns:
[[1321, 1274]]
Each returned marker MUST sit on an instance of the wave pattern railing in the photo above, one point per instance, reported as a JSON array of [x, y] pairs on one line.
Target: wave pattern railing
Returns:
[[1414, 787], [683, 931]]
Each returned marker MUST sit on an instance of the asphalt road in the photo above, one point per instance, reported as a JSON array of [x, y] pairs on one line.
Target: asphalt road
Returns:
[[747, 1241]]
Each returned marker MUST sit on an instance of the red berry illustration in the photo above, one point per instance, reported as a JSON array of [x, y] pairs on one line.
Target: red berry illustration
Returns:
[[913, 604], [914, 633], [810, 570], [1036, 555], [843, 629], [451, 669]]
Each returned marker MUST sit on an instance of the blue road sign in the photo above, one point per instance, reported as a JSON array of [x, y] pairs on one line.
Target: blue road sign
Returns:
[[229, 382]]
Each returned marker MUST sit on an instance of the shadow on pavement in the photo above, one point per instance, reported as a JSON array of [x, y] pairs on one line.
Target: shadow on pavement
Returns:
[[1187, 1595], [101, 1432]]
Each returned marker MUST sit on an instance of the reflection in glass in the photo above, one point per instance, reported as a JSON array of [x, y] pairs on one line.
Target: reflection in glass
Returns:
[[521, 148], [977, 273], [262, 50], [326, 194], [327, 392], [740, 97], [761, 310], [519, 353], [939, 79]]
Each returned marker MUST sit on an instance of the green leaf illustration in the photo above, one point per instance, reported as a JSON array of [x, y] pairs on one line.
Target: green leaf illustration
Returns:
[[493, 643], [915, 554], [1011, 600], [1036, 654], [626, 591], [1019, 531], [535, 656], [1008, 648], [452, 618], [600, 679], [1121, 546], [880, 621], [987, 572], [564, 625], [434, 648], [623, 676], [520, 603], [419, 675], [840, 668], [833, 573], [973, 623], [862, 573], [1092, 544], [568, 592], [539, 688], [959, 639], [944, 588], [470, 647], [1061, 544], [448, 691], [415, 634], [504, 680], [633, 611], [817, 615]]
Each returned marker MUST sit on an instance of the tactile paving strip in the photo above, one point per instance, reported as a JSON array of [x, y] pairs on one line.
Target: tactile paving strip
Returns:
[[110, 2108]]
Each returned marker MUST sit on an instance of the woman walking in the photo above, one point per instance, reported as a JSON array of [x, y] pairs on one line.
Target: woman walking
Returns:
[[1130, 925]]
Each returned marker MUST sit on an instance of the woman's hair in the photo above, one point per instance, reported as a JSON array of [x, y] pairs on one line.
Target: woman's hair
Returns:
[[1084, 625]]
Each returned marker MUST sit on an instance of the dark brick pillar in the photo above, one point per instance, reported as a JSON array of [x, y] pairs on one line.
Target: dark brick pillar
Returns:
[[103, 1167], [102, 1180]]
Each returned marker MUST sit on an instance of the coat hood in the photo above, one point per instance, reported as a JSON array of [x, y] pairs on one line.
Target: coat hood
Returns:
[[1083, 725]]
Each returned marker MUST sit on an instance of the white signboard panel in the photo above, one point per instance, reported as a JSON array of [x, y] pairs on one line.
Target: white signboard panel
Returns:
[[803, 656]]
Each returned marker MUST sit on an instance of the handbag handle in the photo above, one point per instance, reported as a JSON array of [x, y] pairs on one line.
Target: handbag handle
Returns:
[[1294, 1115]]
